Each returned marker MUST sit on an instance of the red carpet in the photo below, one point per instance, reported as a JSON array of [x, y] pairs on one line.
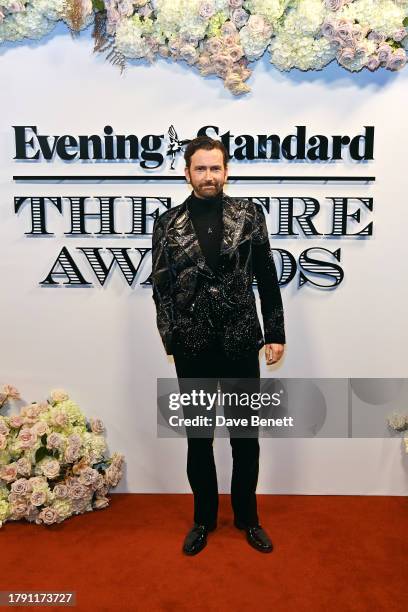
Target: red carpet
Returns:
[[345, 553]]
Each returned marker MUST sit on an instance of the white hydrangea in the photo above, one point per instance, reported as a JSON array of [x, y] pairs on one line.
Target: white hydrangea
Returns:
[[51, 9], [303, 52], [94, 446], [8, 4], [129, 39], [384, 16], [180, 17], [255, 36], [271, 10], [27, 24], [304, 19]]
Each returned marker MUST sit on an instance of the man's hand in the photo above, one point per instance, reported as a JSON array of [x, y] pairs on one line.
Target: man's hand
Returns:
[[273, 352]]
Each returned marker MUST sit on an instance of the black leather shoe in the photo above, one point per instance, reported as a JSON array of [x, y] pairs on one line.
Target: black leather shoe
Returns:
[[196, 539], [256, 537]]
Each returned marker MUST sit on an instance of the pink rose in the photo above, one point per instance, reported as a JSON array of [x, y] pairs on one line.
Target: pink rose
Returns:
[[21, 486], [236, 52], [27, 438], [77, 491], [334, 5], [32, 513], [164, 51], [49, 516], [24, 466], [358, 32], [373, 62], [50, 468], [399, 34], [11, 392], [99, 482], [347, 54], [207, 10], [18, 510], [397, 60], [8, 472], [230, 40], [3, 442], [60, 491], [344, 30], [14, 498], [37, 481], [54, 440], [4, 428], [118, 460], [229, 29], [377, 37], [61, 419], [235, 3], [59, 395], [88, 476], [125, 8], [71, 454], [222, 63], [75, 439], [145, 11], [31, 411], [40, 428], [112, 476], [384, 51], [329, 30], [100, 502], [190, 55], [214, 45], [239, 18], [15, 421], [38, 498]]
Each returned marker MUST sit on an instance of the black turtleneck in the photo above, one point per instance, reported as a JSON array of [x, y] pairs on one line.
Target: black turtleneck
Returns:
[[206, 215]]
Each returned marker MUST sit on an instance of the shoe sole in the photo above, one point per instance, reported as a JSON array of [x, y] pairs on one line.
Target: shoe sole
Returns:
[[262, 550], [195, 552]]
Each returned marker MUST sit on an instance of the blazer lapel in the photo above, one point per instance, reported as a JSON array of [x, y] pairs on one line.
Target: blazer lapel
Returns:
[[182, 231]]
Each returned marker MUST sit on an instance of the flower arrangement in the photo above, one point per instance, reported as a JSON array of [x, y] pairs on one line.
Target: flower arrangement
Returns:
[[52, 462], [221, 37], [399, 422]]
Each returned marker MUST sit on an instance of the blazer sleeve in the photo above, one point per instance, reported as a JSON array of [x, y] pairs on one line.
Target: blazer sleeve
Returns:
[[162, 285], [264, 269]]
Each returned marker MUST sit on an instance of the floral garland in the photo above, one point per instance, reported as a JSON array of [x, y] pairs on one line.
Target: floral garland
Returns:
[[222, 37], [52, 462], [399, 422]]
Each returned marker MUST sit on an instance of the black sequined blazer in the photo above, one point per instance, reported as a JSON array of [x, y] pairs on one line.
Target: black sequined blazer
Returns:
[[194, 304]]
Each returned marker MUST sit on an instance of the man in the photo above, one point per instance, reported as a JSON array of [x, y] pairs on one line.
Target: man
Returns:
[[204, 255]]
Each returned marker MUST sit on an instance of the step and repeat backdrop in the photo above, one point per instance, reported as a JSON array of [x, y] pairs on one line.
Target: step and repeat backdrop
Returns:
[[323, 152]]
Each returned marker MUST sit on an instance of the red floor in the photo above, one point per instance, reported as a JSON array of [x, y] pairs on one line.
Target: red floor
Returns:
[[342, 553]]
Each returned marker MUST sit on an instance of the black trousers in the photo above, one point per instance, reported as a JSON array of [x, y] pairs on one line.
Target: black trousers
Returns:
[[215, 366]]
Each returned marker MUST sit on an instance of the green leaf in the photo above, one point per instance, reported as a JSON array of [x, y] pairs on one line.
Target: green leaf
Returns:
[[98, 5], [405, 22], [40, 454]]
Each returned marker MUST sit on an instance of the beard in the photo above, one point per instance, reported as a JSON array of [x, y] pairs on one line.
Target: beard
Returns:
[[208, 189]]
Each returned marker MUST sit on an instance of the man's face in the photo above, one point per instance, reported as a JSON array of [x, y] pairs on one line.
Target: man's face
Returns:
[[207, 173]]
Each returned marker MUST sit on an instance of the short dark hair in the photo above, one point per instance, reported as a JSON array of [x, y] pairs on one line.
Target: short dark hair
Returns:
[[207, 143]]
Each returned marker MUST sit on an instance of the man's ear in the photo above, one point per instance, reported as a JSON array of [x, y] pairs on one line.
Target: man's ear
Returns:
[[187, 174]]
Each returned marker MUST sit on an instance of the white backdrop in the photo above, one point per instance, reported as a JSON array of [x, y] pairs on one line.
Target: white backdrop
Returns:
[[102, 345]]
